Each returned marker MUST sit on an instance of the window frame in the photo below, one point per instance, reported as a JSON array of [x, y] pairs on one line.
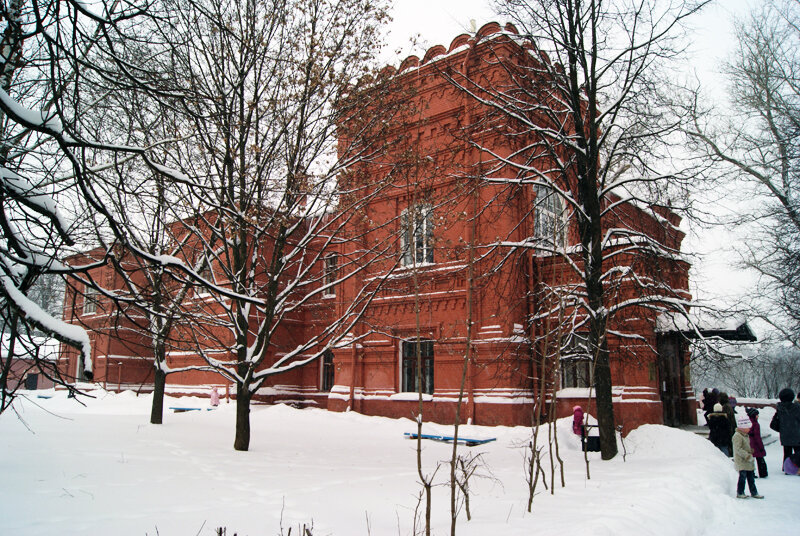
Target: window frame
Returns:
[[416, 241], [330, 273], [206, 273], [91, 297], [550, 217], [327, 372], [576, 362], [408, 366]]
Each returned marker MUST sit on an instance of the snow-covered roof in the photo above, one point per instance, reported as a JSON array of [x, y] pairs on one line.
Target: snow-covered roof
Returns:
[[48, 347], [694, 326]]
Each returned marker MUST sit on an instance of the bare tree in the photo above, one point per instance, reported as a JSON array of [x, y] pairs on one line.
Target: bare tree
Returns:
[[581, 111], [152, 299], [50, 53], [753, 370], [753, 148], [269, 88]]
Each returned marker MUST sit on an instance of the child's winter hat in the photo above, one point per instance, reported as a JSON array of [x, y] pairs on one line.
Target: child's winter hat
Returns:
[[743, 422], [717, 407], [751, 412]]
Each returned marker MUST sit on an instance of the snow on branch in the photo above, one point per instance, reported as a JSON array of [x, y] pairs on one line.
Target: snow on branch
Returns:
[[63, 331], [38, 120]]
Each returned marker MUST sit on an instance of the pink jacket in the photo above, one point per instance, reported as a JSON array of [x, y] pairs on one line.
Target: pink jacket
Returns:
[[755, 439], [577, 420]]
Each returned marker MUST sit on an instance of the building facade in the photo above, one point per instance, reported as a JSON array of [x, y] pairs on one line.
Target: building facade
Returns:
[[463, 278]]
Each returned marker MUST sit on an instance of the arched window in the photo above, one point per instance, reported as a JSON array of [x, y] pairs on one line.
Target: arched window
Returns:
[[550, 222], [201, 291]]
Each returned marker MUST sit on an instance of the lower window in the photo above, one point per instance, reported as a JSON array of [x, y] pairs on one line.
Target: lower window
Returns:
[[327, 371], [575, 372], [576, 362], [409, 366]]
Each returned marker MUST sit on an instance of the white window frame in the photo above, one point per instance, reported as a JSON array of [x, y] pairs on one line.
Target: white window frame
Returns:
[[416, 241], [550, 217], [90, 297], [576, 362], [205, 273], [330, 275]]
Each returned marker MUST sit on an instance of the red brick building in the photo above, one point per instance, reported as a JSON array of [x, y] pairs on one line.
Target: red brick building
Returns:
[[459, 252]]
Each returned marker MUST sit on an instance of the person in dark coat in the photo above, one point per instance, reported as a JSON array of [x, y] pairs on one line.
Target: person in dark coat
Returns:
[[787, 423], [709, 399], [756, 443], [718, 430], [728, 410]]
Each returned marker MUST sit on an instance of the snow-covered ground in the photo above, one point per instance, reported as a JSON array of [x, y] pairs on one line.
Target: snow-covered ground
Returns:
[[101, 469]]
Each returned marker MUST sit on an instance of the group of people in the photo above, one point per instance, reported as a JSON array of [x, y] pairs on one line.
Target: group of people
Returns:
[[739, 436]]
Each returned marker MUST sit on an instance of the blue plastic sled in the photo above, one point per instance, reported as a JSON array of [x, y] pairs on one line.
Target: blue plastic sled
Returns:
[[178, 409], [449, 439]]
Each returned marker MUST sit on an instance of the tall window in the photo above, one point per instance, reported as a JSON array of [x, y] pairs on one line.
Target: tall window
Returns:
[[330, 275], [550, 222], [205, 272], [327, 371], [416, 235], [576, 361], [409, 366], [90, 297]]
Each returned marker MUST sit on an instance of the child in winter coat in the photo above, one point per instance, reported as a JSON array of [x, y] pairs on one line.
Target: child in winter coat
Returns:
[[756, 443], [577, 420], [743, 459]]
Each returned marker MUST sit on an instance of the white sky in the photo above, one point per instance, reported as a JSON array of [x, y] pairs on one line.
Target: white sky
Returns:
[[434, 22]]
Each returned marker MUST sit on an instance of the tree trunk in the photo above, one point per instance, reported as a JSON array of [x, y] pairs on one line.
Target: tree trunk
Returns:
[[7, 392], [605, 407], [157, 410], [242, 440]]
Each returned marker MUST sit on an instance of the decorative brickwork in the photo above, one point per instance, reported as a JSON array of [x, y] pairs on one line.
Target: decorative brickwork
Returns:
[[435, 207]]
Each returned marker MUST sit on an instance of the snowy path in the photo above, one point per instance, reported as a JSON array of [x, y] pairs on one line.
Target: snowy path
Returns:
[[778, 513], [101, 469]]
